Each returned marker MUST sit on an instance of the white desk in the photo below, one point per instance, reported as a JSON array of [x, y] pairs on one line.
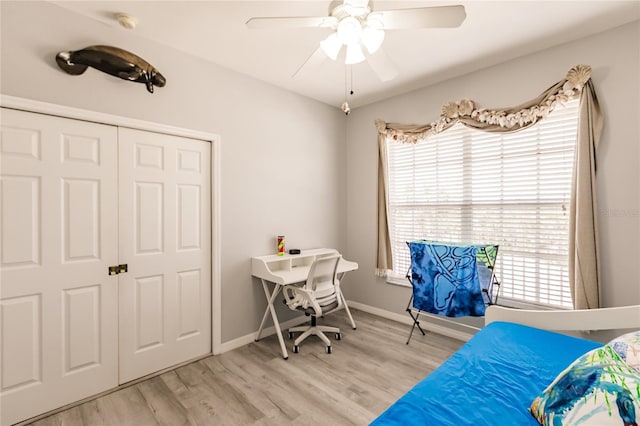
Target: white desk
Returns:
[[287, 270]]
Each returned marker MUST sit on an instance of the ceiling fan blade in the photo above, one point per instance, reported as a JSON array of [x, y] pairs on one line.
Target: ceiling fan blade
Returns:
[[424, 17], [382, 66], [293, 22], [313, 61]]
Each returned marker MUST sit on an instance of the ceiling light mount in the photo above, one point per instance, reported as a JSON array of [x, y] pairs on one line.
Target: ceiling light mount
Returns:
[[343, 10]]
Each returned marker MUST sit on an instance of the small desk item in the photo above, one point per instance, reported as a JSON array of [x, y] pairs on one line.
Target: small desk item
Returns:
[[288, 270]]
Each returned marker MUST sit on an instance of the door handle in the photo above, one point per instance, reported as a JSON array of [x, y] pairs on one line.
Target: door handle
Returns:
[[118, 269]]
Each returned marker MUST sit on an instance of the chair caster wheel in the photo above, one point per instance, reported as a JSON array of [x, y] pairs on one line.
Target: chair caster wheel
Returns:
[[328, 349], [296, 349], [338, 336], [290, 335]]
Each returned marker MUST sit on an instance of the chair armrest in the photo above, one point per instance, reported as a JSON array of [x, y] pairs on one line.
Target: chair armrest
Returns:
[[300, 297]]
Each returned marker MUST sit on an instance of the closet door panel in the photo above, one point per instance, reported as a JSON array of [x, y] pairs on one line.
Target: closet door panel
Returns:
[[165, 238], [58, 224]]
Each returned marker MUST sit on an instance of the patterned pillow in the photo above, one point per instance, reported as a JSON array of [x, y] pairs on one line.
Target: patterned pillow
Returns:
[[628, 347], [596, 389]]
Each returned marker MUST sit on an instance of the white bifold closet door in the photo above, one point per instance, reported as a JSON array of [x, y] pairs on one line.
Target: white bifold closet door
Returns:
[[76, 198], [165, 236], [59, 236]]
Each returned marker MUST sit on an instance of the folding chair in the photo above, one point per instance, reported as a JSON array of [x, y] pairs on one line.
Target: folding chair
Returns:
[[451, 280]]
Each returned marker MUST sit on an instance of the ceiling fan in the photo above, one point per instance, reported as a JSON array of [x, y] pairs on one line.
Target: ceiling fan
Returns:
[[356, 26]]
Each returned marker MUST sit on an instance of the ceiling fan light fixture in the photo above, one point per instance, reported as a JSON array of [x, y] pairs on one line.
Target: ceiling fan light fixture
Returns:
[[372, 39], [354, 54], [349, 30], [331, 46]]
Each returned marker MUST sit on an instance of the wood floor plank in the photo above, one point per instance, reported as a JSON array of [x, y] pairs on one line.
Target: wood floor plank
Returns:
[[206, 400], [166, 408], [125, 407], [369, 369], [251, 381]]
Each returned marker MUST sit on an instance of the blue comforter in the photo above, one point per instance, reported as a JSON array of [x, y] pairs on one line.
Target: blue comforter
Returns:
[[491, 380]]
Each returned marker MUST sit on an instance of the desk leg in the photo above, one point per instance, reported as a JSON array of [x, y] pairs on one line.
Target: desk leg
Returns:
[[266, 312], [346, 307], [274, 317]]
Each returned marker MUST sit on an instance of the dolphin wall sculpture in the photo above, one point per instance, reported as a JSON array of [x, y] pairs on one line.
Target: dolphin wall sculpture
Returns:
[[111, 60]]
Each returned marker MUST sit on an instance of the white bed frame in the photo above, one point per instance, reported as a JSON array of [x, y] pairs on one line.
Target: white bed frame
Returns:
[[569, 320]]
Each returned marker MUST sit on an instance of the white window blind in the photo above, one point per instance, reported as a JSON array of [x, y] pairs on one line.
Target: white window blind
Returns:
[[513, 189]]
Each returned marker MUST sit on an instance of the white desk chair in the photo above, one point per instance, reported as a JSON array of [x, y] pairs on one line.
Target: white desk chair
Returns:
[[319, 296]]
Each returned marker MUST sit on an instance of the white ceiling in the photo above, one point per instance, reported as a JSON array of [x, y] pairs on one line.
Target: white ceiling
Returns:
[[493, 32]]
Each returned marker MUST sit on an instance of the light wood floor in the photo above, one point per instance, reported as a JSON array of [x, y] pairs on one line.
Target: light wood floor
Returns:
[[368, 370]]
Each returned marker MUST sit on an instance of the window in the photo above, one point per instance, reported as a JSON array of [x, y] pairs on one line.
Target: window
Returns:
[[513, 189]]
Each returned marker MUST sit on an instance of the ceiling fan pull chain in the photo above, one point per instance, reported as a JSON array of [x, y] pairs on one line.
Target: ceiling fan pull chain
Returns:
[[346, 84], [345, 105], [351, 72]]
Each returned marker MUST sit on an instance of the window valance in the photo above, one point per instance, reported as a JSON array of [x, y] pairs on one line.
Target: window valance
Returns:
[[492, 120]]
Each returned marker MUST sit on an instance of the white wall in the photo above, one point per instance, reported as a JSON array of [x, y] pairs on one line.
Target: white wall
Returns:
[[615, 58], [275, 181], [282, 154]]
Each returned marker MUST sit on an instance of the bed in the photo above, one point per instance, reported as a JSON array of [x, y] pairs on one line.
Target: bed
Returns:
[[494, 378]]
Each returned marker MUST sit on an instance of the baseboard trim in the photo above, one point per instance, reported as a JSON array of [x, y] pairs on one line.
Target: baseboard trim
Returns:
[[393, 316], [405, 319], [251, 337]]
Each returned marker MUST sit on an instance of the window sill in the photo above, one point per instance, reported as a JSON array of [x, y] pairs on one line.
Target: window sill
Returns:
[[521, 304], [397, 280]]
